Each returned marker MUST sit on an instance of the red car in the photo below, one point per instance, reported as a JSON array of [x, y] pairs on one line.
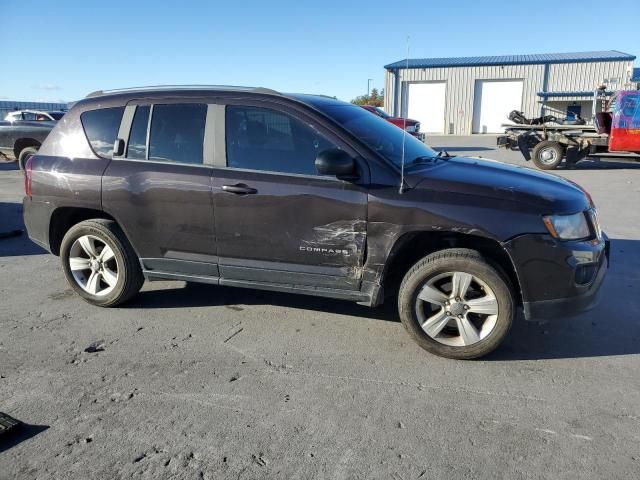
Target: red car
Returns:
[[412, 126]]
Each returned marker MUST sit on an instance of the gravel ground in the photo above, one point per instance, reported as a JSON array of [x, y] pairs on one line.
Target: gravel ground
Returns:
[[217, 383]]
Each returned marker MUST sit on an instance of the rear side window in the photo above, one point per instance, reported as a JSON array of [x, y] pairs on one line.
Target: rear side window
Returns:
[[137, 148], [101, 128], [177, 132]]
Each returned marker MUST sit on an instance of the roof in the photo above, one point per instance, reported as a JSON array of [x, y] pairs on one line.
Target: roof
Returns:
[[196, 90], [541, 58], [181, 88], [636, 75], [119, 97]]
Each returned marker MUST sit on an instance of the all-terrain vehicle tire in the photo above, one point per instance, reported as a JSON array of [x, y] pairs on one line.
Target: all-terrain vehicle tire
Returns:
[[548, 155], [100, 264], [455, 304]]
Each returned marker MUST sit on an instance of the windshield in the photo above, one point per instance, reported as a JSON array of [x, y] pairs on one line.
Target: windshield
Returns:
[[56, 115], [380, 135]]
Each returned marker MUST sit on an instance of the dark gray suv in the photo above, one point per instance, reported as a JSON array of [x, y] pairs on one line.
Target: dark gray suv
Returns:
[[307, 194]]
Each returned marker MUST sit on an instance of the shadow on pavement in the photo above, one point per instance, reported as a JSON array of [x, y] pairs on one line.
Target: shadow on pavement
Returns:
[[13, 245], [464, 149], [19, 435], [7, 166], [204, 295], [612, 328], [589, 164]]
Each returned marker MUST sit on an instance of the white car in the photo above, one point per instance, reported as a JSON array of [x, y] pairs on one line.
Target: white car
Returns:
[[34, 116]]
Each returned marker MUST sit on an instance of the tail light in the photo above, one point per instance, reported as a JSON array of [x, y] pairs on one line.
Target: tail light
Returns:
[[28, 174]]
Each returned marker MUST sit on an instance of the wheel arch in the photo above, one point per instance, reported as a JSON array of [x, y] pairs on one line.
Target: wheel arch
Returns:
[[412, 246], [63, 218]]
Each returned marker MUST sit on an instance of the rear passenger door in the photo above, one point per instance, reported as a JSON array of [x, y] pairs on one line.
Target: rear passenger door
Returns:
[[277, 220], [159, 189]]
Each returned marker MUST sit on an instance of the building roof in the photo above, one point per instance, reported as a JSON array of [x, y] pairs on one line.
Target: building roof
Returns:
[[636, 75], [599, 56]]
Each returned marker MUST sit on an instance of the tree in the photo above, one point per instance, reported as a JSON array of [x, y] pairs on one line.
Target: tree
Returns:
[[374, 98]]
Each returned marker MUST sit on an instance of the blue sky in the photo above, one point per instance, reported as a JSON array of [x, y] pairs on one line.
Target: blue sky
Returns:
[[63, 49]]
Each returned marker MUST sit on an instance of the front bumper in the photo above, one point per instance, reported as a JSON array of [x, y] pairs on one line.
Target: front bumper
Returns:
[[558, 279]]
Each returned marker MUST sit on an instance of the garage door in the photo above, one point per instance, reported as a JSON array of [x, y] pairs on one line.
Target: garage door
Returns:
[[493, 101], [426, 104]]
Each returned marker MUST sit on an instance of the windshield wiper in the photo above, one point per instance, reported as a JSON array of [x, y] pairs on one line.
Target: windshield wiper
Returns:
[[444, 154], [428, 159]]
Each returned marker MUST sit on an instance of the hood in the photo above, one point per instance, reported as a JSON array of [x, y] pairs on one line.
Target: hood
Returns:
[[478, 177]]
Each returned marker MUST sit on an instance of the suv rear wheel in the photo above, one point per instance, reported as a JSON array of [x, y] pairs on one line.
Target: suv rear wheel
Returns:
[[99, 263], [455, 304]]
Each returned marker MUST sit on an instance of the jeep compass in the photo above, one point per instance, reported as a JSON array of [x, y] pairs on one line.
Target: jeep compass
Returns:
[[306, 194]]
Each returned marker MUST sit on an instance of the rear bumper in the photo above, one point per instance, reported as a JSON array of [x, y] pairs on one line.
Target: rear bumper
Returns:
[[36, 216], [563, 279]]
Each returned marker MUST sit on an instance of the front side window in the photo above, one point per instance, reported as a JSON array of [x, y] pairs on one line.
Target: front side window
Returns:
[[177, 133], [101, 128], [266, 139]]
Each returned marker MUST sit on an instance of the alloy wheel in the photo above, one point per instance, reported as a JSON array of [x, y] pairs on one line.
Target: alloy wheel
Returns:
[[94, 265], [457, 309]]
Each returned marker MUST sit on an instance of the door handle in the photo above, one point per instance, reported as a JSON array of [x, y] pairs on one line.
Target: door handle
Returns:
[[239, 189]]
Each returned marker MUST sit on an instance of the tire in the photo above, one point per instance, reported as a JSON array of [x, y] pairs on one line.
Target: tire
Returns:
[[547, 155], [24, 154], [122, 263], [487, 291]]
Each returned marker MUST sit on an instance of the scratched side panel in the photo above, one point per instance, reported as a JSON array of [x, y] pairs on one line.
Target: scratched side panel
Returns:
[[293, 223], [392, 215]]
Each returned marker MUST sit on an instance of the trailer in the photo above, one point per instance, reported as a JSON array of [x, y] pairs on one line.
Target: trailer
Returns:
[[547, 142]]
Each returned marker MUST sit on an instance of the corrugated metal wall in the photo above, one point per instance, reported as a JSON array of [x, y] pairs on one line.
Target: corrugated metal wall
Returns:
[[461, 83], [587, 76]]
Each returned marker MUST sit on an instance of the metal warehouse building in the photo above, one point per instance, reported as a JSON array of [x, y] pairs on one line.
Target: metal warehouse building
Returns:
[[475, 94]]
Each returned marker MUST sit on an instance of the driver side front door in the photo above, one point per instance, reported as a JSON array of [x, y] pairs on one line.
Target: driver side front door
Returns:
[[277, 221]]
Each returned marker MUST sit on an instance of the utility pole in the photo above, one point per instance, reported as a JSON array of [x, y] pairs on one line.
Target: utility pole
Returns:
[[369, 80]]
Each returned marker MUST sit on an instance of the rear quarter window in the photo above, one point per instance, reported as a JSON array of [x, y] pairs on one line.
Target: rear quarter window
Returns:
[[101, 128]]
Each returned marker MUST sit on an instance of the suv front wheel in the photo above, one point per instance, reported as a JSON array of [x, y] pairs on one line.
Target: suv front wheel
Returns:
[[99, 263], [455, 304]]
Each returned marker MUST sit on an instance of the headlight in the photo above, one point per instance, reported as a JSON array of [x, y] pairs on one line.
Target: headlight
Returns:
[[567, 227], [411, 128]]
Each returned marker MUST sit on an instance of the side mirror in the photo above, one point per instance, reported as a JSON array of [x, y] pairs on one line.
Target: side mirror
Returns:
[[118, 147], [335, 162]]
